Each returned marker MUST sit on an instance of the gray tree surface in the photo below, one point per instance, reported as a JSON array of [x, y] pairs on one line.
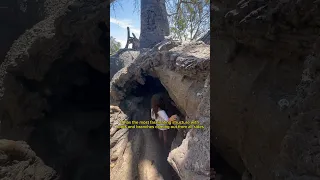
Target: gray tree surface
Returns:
[[154, 22]]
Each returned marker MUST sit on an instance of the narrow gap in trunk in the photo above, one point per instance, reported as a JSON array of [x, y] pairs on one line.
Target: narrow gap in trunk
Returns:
[[152, 86]]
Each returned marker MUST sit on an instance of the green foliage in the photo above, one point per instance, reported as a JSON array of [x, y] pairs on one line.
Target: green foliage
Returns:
[[114, 45], [189, 19]]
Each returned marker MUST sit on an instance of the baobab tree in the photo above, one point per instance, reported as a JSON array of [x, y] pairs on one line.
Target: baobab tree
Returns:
[[154, 23], [186, 19]]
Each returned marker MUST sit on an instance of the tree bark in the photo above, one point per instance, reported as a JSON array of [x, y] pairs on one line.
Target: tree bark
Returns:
[[154, 23]]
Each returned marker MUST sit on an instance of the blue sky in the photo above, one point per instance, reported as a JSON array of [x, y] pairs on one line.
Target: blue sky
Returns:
[[124, 14]]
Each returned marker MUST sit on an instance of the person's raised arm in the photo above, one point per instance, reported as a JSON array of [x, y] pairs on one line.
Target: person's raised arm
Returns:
[[163, 115]]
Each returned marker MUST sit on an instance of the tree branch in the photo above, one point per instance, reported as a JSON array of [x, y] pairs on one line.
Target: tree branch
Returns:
[[128, 37]]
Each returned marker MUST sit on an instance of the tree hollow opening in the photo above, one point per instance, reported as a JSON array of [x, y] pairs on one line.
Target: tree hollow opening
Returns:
[[72, 135], [141, 95]]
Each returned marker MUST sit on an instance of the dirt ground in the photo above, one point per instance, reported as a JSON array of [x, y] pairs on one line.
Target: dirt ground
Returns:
[[146, 159]]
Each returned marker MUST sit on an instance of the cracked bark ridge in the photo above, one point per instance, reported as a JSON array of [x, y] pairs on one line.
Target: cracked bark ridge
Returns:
[[274, 46]]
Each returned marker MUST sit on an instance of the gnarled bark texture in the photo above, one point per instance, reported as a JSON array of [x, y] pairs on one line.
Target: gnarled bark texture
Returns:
[[265, 98], [33, 53], [122, 58], [47, 83], [19, 162]]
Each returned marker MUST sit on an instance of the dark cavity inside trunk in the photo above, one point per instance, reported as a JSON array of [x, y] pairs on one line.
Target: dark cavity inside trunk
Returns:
[[144, 92], [223, 169], [73, 136]]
